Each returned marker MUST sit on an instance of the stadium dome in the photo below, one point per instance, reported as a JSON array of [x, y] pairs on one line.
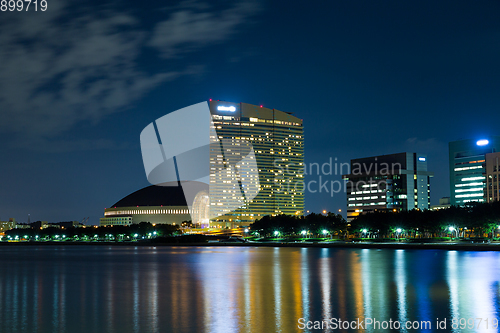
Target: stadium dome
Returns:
[[154, 196], [155, 204]]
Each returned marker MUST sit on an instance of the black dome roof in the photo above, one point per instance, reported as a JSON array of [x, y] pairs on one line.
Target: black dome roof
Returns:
[[154, 196]]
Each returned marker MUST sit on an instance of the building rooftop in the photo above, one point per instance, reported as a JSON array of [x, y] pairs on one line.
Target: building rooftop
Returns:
[[154, 196]]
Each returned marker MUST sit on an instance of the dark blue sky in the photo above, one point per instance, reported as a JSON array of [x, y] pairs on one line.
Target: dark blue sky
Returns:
[[78, 83]]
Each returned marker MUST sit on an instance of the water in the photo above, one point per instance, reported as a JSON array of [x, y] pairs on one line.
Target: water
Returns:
[[241, 289]]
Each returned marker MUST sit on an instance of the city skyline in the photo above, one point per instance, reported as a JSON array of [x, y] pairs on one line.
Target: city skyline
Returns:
[[367, 79]]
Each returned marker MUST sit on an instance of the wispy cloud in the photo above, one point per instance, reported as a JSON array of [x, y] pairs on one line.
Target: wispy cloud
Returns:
[[193, 27], [59, 69]]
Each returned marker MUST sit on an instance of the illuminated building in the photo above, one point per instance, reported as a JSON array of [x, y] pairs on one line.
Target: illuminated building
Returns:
[[444, 203], [467, 160], [492, 177], [240, 163], [387, 183], [277, 139], [155, 204], [7, 225]]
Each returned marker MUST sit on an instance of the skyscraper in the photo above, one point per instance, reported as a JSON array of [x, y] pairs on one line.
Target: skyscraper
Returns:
[[467, 160], [277, 139]]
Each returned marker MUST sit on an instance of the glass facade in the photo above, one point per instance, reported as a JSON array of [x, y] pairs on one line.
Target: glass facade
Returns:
[[467, 160], [273, 143]]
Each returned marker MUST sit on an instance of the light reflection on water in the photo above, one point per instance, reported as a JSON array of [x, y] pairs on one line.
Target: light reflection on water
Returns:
[[239, 289]]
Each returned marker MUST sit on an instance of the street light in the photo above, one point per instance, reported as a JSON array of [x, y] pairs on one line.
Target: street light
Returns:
[[452, 229], [303, 232], [364, 232], [326, 232], [324, 211], [276, 233], [398, 230]]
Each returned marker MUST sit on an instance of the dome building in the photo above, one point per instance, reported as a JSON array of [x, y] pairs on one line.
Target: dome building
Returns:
[[155, 204]]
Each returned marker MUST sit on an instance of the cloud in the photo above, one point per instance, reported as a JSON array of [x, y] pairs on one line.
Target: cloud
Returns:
[[191, 28], [59, 68]]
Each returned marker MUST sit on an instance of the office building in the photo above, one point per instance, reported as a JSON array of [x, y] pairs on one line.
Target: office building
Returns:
[[277, 139], [393, 182], [467, 161], [492, 177]]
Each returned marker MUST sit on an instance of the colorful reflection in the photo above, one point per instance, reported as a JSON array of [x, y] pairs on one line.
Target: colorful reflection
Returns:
[[244, 289]]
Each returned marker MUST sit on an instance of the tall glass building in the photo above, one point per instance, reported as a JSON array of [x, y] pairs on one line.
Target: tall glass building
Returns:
[[277, 140], [467, 168]]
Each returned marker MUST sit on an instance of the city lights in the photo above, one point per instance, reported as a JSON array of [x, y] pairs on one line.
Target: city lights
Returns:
[[482, 142]]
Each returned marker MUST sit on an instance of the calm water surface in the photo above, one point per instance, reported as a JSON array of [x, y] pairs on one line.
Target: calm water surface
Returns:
[[240, 289]]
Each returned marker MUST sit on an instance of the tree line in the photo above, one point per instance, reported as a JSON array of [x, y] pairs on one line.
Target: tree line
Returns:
[[472, 220], [311, 224], [141, 230]]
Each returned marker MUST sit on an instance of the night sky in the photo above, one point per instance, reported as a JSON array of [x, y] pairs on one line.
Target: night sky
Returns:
[[79, 82]]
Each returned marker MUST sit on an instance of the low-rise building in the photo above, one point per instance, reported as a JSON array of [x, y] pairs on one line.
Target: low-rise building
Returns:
[[7, 225], [444, 203]]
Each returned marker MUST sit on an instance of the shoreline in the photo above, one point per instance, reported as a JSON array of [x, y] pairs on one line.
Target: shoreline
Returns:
[[361, 245]]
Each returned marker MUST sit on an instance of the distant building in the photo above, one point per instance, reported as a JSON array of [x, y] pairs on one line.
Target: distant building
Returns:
[[387, 183], [492, 177], [444, 203], [39, 225], [467, 162], [63, 225], [7, 225]]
